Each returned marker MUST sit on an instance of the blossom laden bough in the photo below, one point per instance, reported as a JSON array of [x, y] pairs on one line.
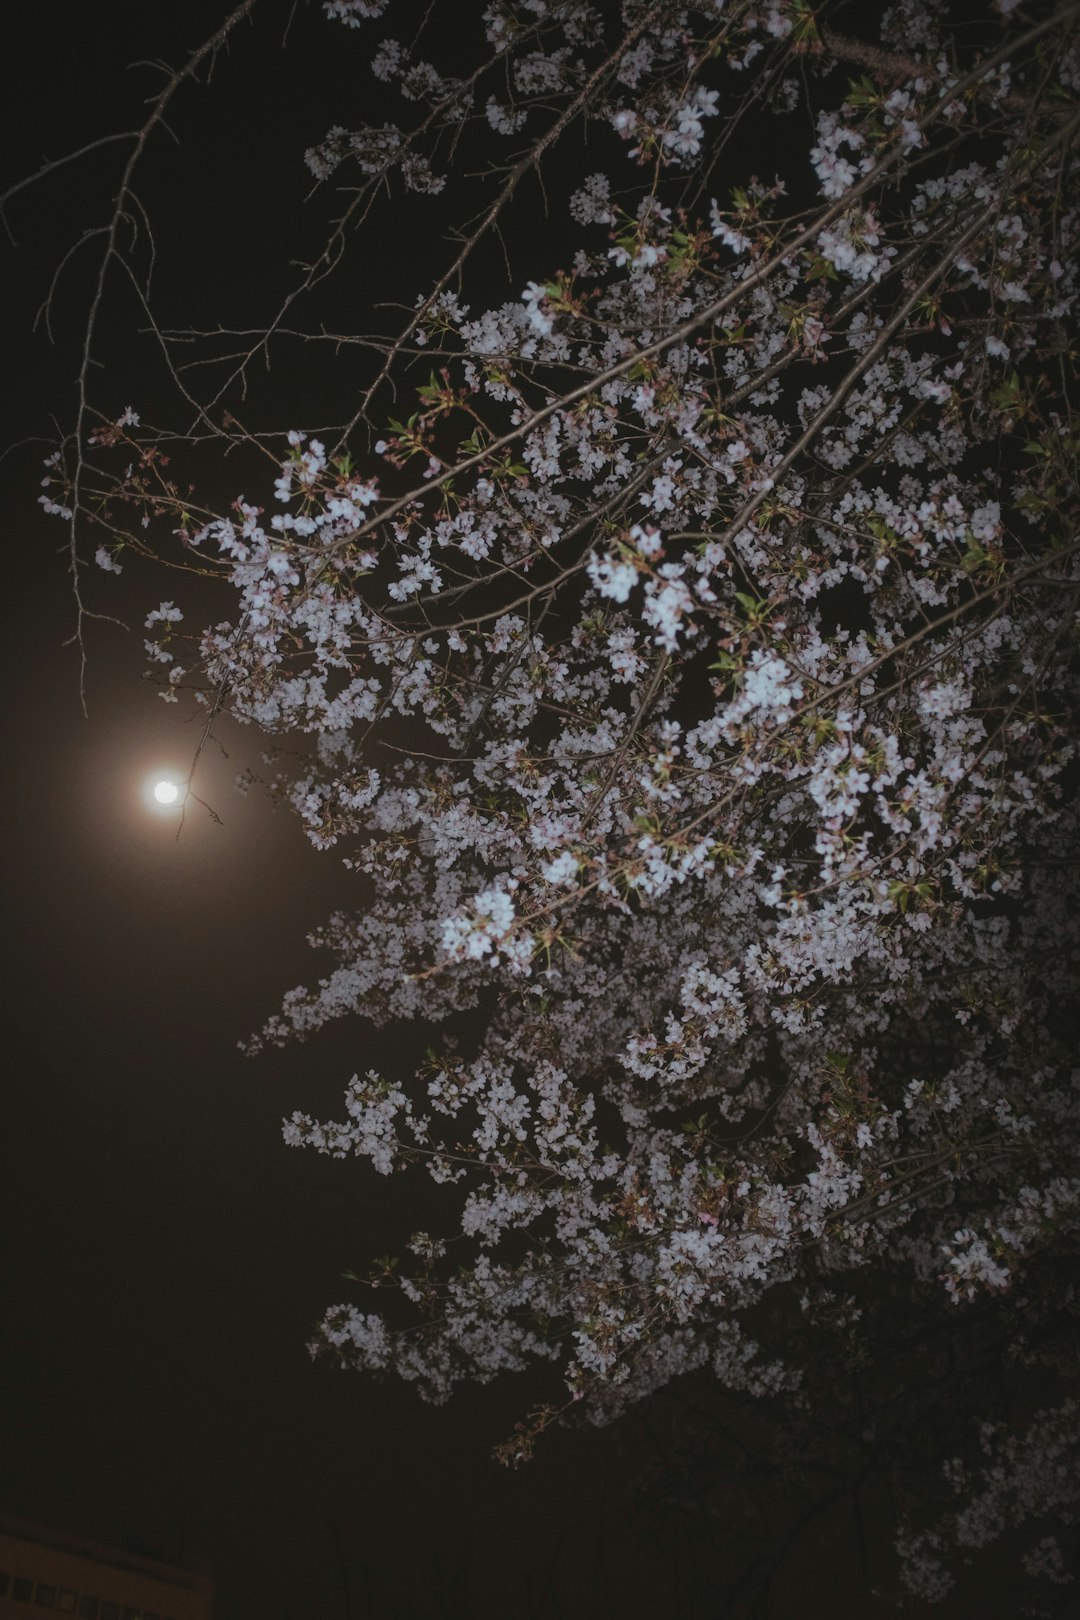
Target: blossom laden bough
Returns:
[[689, 670]]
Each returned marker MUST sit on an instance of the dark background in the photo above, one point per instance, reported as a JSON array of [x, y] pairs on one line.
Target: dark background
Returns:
[[164, 1255]]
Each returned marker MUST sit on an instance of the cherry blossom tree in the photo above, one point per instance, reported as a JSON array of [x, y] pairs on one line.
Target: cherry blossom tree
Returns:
[[676, 644]]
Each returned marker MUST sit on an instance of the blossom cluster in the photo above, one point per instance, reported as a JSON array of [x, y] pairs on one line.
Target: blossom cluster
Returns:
[[691, 689]]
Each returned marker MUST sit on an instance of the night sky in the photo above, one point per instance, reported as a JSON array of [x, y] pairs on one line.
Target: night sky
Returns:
[[164, 1255]]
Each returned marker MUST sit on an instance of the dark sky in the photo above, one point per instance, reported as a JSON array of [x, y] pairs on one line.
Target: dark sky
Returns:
[[164, 1255]]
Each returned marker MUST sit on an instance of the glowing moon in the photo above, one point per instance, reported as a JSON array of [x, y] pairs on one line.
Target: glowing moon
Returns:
[[164, 790]]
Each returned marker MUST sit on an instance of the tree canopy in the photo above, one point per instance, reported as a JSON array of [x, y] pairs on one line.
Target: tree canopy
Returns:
[[667, 587]]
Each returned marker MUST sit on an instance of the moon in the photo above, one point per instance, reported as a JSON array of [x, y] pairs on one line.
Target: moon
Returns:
[[163, 791]]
